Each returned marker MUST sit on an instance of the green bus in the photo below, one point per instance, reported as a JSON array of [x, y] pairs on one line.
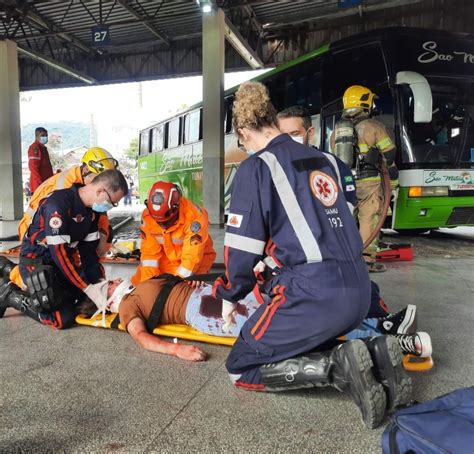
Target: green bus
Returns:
[[424, 80]]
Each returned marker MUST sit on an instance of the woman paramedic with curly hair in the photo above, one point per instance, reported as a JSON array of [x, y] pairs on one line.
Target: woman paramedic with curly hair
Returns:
[[286, 203]]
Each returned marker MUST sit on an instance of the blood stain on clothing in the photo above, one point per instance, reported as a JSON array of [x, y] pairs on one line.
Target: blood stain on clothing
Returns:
[[211, 307]]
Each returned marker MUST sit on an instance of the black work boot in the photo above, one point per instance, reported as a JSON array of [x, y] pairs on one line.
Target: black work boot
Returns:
[[14, 297], [306, 371], [347, 367], [387, 357], [6, 266], [352, 374]]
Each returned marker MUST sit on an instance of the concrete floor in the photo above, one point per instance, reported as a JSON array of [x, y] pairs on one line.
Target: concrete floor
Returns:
[[87, 389]]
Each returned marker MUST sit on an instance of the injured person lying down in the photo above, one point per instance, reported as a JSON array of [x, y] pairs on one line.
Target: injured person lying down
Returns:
[[192, 304]]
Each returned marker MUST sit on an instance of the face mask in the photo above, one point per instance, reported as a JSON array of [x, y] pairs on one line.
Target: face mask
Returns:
[[250, 152], [299, 139], [102, 207], [43, 140], [123, 289]]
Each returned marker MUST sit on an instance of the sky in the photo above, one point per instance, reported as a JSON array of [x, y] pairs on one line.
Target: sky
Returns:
[[116, 109]]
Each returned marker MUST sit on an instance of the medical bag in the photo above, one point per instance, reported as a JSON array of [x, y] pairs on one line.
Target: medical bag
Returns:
[[442, 425]]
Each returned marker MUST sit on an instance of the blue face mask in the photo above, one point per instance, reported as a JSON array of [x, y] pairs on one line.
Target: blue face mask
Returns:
[[102, 207], [44, 140]]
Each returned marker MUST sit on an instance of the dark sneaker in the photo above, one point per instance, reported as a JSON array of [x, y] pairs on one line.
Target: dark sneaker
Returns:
[[352, 374], [4, 291], [401, 322], [6, 266], [417, 344], [376, 267], [389, 371]]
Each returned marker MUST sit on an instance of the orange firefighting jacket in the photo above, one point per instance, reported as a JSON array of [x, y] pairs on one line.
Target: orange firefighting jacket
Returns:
[[182, 249]]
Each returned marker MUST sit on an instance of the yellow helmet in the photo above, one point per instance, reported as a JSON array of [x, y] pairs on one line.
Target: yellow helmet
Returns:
[[97, 160], [358, 97]]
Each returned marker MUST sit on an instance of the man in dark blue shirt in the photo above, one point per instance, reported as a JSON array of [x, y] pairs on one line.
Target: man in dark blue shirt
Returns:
[[296, 122]]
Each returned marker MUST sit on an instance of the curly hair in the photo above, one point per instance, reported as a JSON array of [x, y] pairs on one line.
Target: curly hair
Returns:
[[252, 107]]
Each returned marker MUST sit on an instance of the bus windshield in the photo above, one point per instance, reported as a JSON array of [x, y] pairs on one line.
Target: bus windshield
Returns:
[[448, 140]]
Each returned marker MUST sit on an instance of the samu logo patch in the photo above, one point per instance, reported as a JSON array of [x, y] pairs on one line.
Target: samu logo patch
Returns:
[[323, 187]]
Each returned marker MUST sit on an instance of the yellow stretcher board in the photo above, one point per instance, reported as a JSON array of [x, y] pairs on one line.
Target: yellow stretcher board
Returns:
[[178, 331], [411, 363]]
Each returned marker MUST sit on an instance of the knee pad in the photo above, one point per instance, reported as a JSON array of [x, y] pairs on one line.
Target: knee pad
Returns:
[[6, 266], [43, 287]]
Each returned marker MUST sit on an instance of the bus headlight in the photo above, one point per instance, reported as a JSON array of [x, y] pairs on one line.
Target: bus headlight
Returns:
[[428, 191]]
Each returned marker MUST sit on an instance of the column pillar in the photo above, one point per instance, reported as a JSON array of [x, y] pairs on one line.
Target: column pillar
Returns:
[[11, 188], [213, 64]]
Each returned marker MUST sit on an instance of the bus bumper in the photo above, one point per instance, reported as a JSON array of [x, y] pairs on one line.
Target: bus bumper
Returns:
[[432, 212]]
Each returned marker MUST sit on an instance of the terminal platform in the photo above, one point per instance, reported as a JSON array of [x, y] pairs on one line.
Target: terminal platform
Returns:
[[88, 390]]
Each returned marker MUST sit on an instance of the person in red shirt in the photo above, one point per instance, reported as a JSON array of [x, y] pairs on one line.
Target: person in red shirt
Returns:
[[38, 159]]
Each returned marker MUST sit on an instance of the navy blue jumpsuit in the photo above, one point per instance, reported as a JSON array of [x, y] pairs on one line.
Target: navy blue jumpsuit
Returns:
[[64, 233], [286, 202]]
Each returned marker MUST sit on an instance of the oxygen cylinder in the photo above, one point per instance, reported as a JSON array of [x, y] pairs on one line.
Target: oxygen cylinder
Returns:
[[344, 141]]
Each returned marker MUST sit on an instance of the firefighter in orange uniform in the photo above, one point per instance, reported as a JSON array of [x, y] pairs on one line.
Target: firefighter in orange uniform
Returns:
[[175, 237]]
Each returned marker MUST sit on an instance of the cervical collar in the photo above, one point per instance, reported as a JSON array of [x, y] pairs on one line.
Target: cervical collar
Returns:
[[123, 289]]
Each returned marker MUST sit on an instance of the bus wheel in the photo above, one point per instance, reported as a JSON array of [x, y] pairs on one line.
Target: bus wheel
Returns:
[[411, 232]]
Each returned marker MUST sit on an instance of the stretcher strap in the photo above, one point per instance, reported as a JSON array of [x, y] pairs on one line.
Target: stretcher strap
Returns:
[[115, 322]]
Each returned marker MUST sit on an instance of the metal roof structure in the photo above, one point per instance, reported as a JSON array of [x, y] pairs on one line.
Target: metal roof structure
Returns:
[[73, 42]]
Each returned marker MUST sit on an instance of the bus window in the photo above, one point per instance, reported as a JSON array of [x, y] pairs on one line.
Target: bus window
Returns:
[[144, 142], [173, 136], [157, 137], [229, 105], [362, 65], [192, 126]]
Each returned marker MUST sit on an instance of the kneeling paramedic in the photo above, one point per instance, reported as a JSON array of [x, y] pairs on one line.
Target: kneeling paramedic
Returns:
[[288, 193], [175, 235], [58, 255], [94, 161]]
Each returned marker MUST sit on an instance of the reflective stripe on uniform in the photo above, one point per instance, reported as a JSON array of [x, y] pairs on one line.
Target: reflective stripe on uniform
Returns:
[[61, 180], [159, 238], [34, 157], [74, 244], [363, 148], [153, 263], [293, 210], [58, 239], [384, 144], [333, 161], [92, 236], [184, 272], [177, 241], [244, 243]]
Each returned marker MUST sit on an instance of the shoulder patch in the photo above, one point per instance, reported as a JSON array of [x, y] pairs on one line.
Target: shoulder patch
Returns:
[[195, 227], [323, 187], [55, 221], [348, 179], [235, 220], [195, 240]]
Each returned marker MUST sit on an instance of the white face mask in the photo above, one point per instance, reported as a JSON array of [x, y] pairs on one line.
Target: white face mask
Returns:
[[250, 152], [299, 139], [123, 289]]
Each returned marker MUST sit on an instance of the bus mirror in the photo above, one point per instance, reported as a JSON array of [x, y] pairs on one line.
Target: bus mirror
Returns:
[[421, 90]]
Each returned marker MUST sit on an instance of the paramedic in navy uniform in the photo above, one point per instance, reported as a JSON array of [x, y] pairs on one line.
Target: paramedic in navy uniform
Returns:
[[287, 194], [58, 255]]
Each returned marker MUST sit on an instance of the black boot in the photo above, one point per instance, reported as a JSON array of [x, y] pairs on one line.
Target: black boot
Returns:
[[387, 358], [6, 266], [347, 367], [14, 297]]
